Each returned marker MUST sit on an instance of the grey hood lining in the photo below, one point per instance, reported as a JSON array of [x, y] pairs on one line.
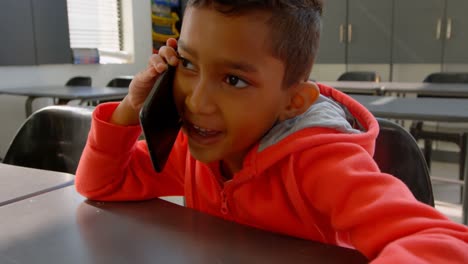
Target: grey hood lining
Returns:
[[324, 113]]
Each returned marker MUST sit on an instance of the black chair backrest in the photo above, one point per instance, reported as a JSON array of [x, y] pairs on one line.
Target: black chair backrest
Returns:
[[365, 76], [447, 77], [120, 82], [398, 154], [52, 138], [79, 81]]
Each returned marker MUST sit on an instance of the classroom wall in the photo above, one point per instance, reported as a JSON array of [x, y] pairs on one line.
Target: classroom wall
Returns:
[[137, 21]]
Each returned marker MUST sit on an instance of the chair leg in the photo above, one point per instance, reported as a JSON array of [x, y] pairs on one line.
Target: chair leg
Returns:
[[462, 155], [428, 152], [462, 160]]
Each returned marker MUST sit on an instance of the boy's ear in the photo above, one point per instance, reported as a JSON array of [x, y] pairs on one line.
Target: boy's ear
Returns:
[[303, 95]]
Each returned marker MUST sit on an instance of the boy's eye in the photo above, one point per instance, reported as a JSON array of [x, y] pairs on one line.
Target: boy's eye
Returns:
[[236, 81], [186, 63]]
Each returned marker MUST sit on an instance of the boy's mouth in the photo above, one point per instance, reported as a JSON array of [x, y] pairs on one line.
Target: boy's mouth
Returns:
[[202, 135]]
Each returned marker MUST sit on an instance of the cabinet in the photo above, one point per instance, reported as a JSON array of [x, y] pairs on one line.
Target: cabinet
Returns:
[[430, 31], [51, 32], [16, 33], [456, 35], [34, 32], [332, 47], [356, 32], [418, 31]]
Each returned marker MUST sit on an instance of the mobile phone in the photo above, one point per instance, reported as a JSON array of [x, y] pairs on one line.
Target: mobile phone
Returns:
[[160, 120]]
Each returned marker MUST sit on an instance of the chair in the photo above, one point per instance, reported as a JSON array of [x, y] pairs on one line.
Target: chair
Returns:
[[79, 81], [52, 138], [122, 82], [74, 81], [364, 76], [447, 77], [458, 135], [118, 82], [398, 154]]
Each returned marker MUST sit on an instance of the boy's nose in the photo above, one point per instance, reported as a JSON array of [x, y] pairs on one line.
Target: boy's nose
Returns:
[[200, 100]]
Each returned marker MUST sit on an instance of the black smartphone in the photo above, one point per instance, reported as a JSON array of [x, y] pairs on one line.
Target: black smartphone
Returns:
[[160, 120]]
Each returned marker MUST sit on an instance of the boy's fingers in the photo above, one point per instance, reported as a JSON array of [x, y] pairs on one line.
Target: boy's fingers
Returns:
[[157, 63], [169, 55], [172, 42], [161, 67], [146, 75]]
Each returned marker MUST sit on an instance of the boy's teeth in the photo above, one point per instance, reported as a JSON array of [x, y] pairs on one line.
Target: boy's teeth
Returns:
[[201, 129], [204, 131]]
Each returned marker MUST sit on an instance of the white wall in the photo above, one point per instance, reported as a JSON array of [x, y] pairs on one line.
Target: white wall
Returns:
[[137, 22]]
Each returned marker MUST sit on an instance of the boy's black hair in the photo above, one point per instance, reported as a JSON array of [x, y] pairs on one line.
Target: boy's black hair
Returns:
[[295, 30]]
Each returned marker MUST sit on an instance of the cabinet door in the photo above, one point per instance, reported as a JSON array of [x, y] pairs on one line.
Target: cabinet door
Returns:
[[418, 31], [332, 47], [16, 33], [456, 33], [369, 31], [51, 31]]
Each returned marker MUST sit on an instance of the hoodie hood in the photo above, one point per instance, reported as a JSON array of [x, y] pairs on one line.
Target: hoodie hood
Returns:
[[335, 117], [324, 112]]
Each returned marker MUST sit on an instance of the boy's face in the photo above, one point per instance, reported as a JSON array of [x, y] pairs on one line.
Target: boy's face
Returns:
[[228, 86]]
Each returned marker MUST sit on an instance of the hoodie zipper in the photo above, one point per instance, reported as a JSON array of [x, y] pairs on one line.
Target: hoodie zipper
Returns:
[[225, 188], [224, 206], [224, 209]]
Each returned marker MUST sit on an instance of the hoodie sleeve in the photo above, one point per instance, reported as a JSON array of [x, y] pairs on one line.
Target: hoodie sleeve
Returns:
[[377, 211], [115, 166]]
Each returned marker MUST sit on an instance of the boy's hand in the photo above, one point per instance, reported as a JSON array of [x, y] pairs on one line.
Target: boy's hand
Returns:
[[127, 113]]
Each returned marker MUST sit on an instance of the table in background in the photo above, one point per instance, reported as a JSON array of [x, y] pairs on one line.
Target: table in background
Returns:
[[356, 87], [66, 93], [18, 183], [420, 88], [423, 109], [428, 89], [61, 227]]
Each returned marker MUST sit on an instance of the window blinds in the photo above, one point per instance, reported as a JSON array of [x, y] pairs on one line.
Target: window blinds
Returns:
[[95, 24]]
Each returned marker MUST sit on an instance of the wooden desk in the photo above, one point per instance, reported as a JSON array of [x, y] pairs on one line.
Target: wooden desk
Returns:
[[66, 93], [61, 227], [423, 109], [18, 183]]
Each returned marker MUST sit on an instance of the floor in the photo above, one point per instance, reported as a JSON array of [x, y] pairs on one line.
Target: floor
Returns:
[[447, 195]]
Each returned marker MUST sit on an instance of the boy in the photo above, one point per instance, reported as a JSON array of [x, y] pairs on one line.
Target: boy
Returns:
[[262, 146]]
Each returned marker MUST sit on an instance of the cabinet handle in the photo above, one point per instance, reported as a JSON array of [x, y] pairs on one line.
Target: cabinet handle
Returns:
[[439, 28], [448, 34], [350, 33], [341, 33]]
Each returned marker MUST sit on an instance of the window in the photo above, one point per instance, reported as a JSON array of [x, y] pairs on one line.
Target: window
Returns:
[[95, 24]]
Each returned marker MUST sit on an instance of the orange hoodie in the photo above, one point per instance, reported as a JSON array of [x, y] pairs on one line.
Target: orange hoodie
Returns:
[[317, 183]]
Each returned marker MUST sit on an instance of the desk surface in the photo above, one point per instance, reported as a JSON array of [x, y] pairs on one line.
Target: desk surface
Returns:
[[68, 92], [356, 86], [422, 88], [61, 227], [424, 109], [17, 183]]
